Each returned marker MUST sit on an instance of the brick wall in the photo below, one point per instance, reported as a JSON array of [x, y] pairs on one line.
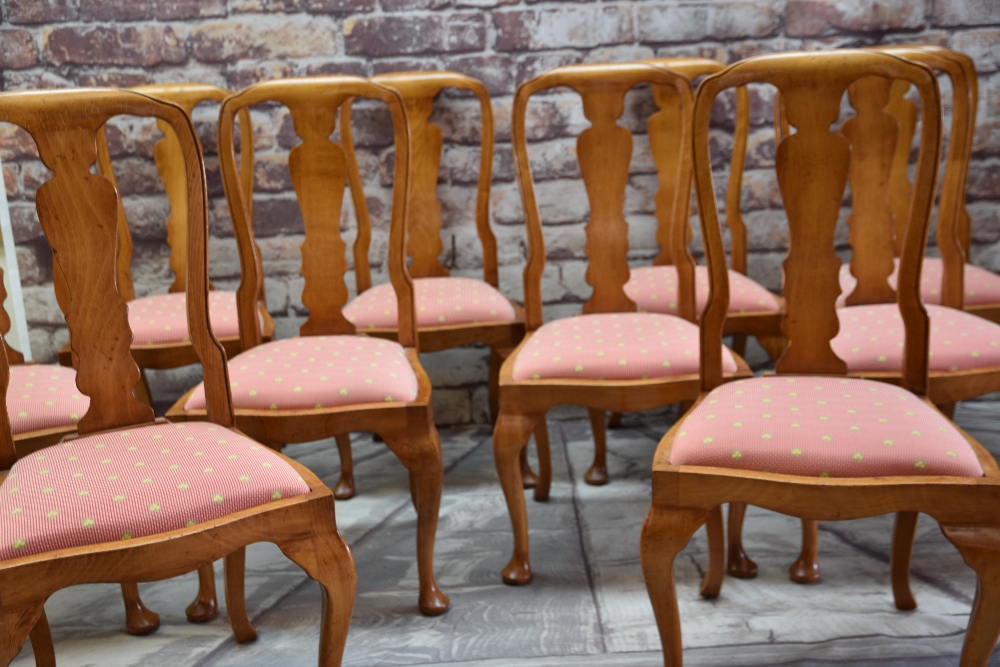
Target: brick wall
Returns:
[[58, 43]]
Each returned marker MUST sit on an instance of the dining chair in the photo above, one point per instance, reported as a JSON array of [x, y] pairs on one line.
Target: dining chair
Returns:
[[452, 311], [810, 441], [133, 498], [610, 357], [964, 348], [159, 328], [330, 380], [157, 321]]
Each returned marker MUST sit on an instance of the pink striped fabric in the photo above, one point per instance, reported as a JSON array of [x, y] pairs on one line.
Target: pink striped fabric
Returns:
[[615, 346], [654, 290], [136, 482], [871, 339], [981, 286], [440, 302], [821, 426], [43, 396], [317, 372], [162, 318]]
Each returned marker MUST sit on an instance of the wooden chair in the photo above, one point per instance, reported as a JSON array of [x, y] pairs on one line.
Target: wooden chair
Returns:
[[943, 280], [157, 320], [833, 447], [160, 334], [132, 498], [614, 358], [342, 382], [451, 311], [965, 349]]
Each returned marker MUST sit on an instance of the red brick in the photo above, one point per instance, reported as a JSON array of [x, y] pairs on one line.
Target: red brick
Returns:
[[983, 46], [147, 217], [984, 181], [690, 22], [577, 26], [805, 18], [390, 65], [134, 46], [409, 34], [986, 141], [113, 79], [265, 6], [496, 71], [34, 79], [34, 263], [271, 174], [139, 10], [11, 181], [40, 11], [24, 222], [966, 12], [15, 143], [531, 65], [410, 5], [277, 216], [339, 6], [338, 66], [290, 37], [242, 75], [17, 49]]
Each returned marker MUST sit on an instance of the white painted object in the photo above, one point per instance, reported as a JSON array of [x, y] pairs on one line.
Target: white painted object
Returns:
[[17, 337]]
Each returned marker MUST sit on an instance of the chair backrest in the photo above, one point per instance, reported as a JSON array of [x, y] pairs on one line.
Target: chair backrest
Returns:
[[604, 152], [170, 164], [882, 190], [812, 167], [78, 212], [424, 243], [319, 172], [953, 230]]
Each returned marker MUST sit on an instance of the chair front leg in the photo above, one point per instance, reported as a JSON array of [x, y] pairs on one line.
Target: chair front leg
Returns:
[[980, 548], [327, 559], [509, 438], [236, 601], [16, 623], [41, 643], [420, 452], [666, 531]]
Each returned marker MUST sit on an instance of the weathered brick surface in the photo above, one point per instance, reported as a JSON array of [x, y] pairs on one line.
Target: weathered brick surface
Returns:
[[808, 18], [415, 33], [17, 49], [129, 45], [233, 43]]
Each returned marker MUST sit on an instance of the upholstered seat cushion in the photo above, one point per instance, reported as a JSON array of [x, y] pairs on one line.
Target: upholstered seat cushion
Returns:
[[133, 483], [821, 426], [439, 301], [613, 346], [162, 318], [43, 396], [654, 290], [317, 372], [982, 287], [871, 339]]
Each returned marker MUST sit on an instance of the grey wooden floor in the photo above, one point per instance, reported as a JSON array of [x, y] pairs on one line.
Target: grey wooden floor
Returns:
[[587, 604]]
